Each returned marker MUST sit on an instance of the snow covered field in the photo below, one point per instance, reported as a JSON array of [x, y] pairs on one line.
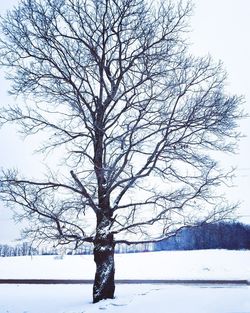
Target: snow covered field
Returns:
[[210, 264], [202, 264], [129, 299]]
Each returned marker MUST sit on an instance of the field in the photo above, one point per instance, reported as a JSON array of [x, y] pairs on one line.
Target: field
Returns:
[[163, 298]]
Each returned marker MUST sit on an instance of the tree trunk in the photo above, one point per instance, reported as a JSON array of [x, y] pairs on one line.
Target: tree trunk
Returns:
[[104, 284]]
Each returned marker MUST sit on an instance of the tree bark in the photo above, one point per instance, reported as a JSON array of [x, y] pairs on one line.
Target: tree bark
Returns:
[[104, 247]]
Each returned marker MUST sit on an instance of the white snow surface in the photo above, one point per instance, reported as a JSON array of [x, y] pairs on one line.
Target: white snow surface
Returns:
[[202, 264], [160, 298], [129, 299]]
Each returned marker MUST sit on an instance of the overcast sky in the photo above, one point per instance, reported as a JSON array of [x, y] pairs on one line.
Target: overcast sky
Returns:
[[220, 28]]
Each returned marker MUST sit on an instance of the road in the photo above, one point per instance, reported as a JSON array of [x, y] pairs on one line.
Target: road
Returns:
[[124, 281]]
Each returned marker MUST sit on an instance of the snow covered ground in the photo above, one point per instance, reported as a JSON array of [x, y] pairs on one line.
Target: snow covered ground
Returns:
[[210, 264], [129, 299], [202, 264]]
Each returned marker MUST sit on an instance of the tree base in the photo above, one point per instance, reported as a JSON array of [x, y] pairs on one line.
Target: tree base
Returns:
[[104, 284]]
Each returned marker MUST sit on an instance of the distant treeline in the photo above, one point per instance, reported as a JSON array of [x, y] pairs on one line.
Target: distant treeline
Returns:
[[232, 236], [18, 250]]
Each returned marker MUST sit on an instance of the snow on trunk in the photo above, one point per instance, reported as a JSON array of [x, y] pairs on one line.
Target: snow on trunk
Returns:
[[104, 284]]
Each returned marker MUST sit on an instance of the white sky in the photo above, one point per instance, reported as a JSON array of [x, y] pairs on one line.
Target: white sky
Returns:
[[220, 28]]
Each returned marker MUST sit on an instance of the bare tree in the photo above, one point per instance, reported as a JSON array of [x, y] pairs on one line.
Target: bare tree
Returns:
[[112, 84]]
